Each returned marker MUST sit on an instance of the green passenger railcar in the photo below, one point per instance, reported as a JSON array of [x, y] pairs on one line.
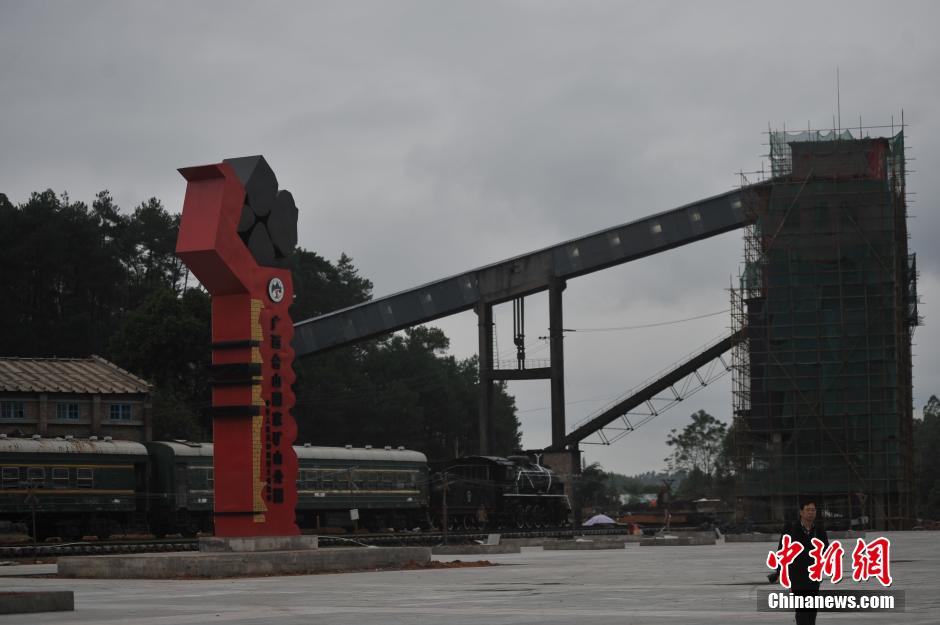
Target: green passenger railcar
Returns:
[[375, 489], [336, 488], [70, 487], [181, 488]]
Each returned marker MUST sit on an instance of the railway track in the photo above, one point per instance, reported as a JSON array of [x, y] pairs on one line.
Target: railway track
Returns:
[[95, 548], [87, 548]]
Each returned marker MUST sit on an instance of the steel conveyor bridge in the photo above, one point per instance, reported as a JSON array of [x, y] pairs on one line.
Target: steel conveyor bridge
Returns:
[[686, 375], [547, 269], [522, 275]]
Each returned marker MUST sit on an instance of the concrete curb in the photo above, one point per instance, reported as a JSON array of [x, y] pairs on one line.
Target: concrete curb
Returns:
[[253, 564], [751, 537], [39, 601], [677, 541], [537, 541], [845, 535], [765, 537], [454, 550], [582, 545]]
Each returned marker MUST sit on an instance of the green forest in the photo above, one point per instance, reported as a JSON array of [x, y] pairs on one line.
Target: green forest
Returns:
[[78, 280]]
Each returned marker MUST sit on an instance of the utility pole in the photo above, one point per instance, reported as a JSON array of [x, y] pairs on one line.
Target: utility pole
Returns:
[[444, 509], [352, 493], [31, 498]]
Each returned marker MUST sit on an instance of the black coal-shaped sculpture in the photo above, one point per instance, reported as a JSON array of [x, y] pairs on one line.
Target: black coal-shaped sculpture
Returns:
[[268, 223]]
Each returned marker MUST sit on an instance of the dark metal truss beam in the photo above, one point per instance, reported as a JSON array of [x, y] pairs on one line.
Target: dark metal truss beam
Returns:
[[522, 275], [689, 372]]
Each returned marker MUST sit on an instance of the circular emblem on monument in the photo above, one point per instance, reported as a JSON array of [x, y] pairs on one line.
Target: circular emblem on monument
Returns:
[[276, 290]]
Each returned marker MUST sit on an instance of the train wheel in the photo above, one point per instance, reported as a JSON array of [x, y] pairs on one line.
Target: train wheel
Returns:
[[71, 532], [101, 528], [159, 530], [538, 517]]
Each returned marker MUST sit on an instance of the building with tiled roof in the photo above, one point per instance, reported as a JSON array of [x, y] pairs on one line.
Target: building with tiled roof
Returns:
[[79, 397]]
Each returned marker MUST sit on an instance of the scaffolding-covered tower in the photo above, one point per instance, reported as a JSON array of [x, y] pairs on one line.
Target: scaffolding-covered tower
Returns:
[[822, 385]]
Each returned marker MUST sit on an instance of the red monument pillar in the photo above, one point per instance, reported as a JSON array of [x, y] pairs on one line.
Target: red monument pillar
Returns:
[[236, 232]]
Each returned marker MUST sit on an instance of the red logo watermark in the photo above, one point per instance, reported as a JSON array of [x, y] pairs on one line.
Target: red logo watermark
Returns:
[[870, 559], [828, 562], [787, 554]]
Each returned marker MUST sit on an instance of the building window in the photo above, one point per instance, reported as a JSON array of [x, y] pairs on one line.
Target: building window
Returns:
[[12, 410], [66, 411], [120, 412]]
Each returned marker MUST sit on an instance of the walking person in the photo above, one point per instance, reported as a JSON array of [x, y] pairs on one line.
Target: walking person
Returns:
[[803, 531]]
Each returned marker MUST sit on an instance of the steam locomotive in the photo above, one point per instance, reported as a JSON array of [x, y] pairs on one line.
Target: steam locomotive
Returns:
[[483, 492]]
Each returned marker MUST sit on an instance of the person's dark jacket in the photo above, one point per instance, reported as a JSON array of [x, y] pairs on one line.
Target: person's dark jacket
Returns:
[[799, 568]]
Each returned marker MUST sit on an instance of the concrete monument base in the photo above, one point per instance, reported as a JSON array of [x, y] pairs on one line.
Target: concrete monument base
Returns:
[[183, 565]]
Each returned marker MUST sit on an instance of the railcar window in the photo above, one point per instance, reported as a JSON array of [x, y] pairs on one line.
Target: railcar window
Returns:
[[200, 477], [402, 479], [311, 478], [35, 475], [11, 477], [60, 475], [84, 477], [327, 479]]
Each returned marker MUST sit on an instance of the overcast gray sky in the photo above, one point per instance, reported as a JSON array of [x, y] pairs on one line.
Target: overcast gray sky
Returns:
[[427, 138]]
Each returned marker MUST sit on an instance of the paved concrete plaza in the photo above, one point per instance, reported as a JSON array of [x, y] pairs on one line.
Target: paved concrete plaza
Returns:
[[697, 584]]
